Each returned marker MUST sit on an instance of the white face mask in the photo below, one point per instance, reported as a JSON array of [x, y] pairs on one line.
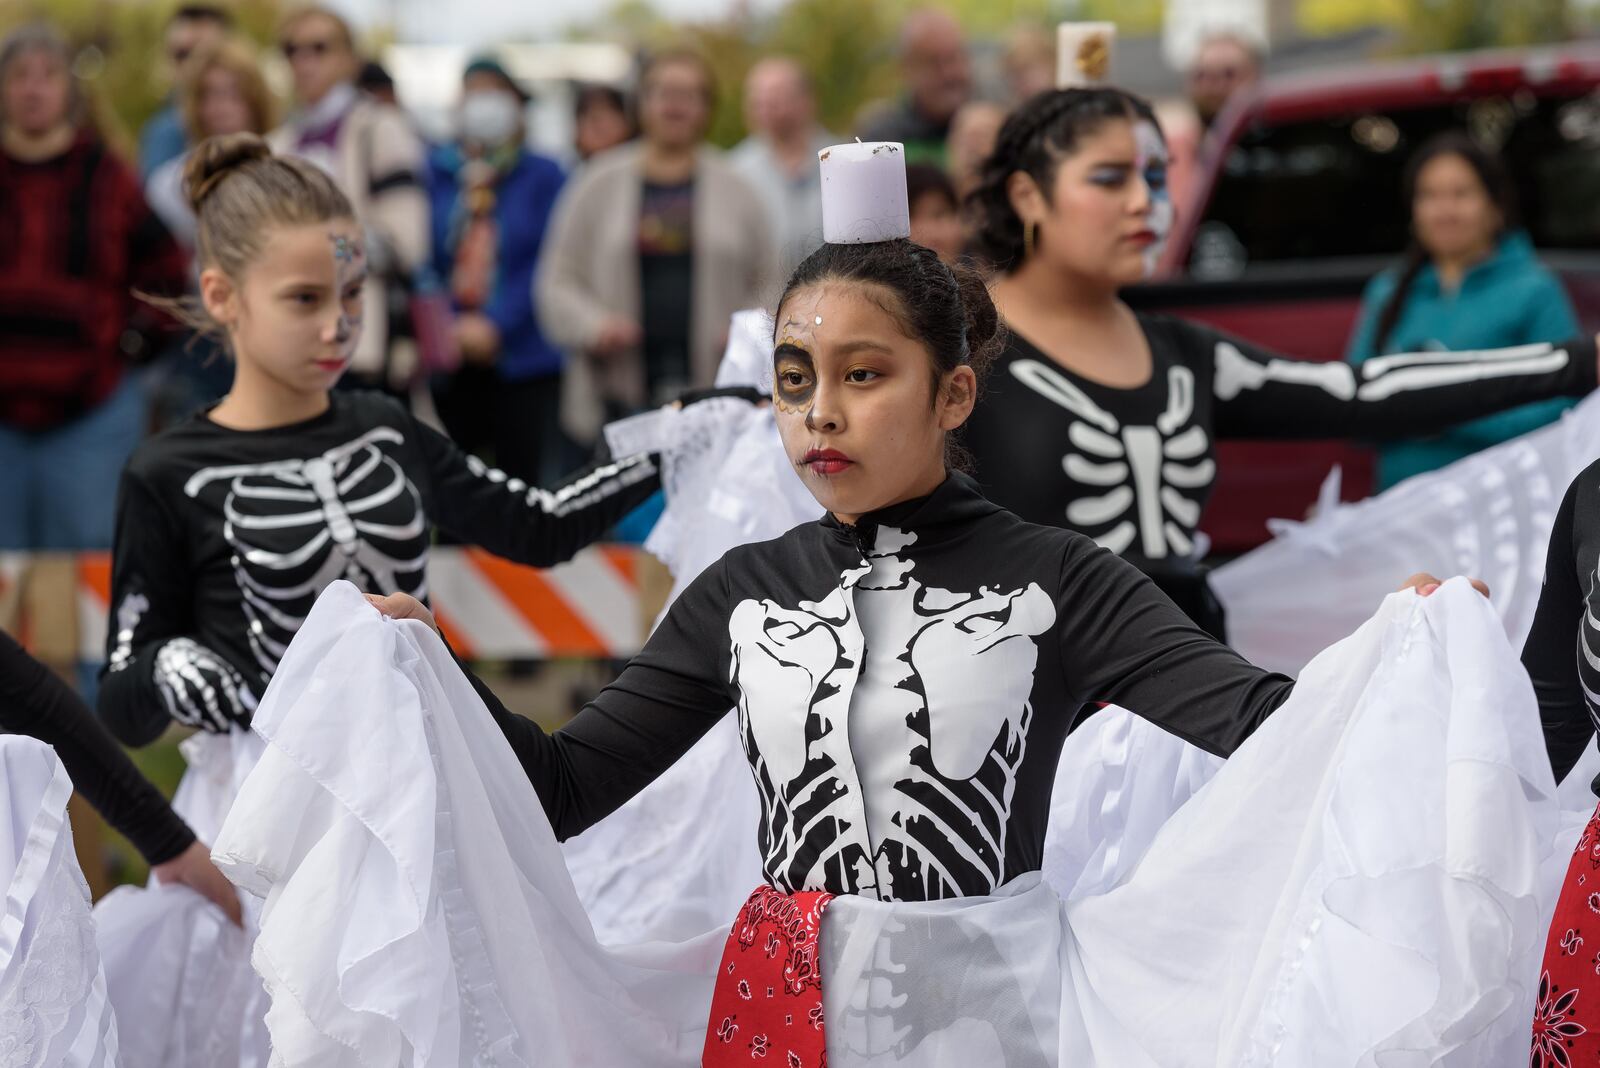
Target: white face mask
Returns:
[[490, 117]]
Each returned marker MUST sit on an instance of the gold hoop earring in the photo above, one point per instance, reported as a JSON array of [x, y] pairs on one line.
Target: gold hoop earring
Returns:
[[1027, 239]]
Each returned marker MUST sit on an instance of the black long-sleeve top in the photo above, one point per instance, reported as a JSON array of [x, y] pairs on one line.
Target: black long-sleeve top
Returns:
[[1133, 468], [903, 689], [224, 539], [33, 701], [1562, 653]]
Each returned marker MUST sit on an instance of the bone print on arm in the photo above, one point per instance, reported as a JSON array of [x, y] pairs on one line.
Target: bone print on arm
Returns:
[[1261, 394], [156, 670], [529, 524]]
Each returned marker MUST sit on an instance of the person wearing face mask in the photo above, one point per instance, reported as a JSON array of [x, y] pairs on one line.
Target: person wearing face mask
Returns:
[[1105, 420], [1470, 281], [491, 202]]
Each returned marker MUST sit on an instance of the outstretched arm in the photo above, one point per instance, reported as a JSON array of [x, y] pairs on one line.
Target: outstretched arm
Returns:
[[663, 702], [1261, 394]]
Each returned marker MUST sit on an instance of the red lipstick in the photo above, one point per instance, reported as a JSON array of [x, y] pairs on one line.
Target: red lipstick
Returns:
[[826, 461]]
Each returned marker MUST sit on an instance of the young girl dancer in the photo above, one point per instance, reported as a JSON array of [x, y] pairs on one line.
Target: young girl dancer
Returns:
[[904, 671], [1104, 420], [230, 525]]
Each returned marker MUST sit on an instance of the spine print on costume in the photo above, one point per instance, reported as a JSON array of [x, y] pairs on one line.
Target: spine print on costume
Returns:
[[1154, 477], [871, 736], [297, 525]]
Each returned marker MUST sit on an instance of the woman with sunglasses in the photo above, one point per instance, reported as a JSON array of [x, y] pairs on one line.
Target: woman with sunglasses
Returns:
[[374, 157]]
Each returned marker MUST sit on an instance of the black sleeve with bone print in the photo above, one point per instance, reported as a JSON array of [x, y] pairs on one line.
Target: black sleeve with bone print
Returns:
[[157, 671], [225, 538], [1132, 467], [1261, 394]]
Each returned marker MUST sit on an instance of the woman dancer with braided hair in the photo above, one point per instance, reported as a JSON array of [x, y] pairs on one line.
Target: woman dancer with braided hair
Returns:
[[1105, 420]]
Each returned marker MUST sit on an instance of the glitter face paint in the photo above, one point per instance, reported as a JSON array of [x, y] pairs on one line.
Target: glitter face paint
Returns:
[[350, 267], [1152, 167]]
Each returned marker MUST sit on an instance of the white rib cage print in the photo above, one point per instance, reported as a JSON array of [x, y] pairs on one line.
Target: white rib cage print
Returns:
[[297, 525], [1153, 476]]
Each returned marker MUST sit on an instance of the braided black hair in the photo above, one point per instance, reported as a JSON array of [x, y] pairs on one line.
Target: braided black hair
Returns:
[[1034, 139], [946, 308], [1496, 185]]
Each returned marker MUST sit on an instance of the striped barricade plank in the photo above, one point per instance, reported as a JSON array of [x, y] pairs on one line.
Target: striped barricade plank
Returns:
[[489, 608]]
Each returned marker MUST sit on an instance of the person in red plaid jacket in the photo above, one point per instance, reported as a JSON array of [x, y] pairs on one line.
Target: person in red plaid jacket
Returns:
[[76, 241]]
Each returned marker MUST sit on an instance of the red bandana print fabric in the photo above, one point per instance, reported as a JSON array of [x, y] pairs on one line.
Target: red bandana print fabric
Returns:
[[1566, 1019], [766, 1007]]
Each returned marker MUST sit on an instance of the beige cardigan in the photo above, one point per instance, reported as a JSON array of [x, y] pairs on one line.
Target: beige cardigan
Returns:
[[589, 270], [380, 165]]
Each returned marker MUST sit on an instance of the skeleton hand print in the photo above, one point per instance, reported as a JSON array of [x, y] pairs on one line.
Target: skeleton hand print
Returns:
[[201, 689], [1154, 477]]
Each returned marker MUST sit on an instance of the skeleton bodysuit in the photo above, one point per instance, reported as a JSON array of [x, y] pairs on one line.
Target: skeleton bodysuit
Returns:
[[1562, 653], [902, 689], [225, 538], [1133, 468]]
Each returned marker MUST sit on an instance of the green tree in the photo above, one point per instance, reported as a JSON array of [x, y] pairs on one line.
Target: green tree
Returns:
[[119, 51]]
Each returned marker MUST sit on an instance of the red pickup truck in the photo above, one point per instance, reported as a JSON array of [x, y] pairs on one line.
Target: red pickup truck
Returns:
[[1298, 203]]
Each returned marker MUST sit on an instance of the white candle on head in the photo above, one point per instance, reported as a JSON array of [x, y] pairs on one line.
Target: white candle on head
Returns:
[[864, 193], [1084, 51]]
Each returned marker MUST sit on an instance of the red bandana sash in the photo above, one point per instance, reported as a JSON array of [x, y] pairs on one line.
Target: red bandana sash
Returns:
[[767, 1004]]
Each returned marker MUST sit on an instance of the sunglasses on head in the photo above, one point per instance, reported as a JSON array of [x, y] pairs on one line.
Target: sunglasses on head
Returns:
[[310, 48]]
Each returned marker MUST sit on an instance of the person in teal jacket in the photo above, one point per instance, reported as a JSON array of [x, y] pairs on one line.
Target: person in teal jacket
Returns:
[[1470, 281]]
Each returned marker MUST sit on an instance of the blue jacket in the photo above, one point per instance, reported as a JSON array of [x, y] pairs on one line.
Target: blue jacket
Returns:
[[523, 201], [1508, 299], [163, 138]]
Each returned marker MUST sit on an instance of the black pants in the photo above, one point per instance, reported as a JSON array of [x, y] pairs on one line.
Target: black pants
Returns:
[[513, 425]]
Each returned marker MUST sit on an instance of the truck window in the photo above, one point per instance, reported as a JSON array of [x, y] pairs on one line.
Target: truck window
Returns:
[[1332, 187]]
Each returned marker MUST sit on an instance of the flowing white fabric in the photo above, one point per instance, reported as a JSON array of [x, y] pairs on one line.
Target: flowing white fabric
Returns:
[[1488, 515], [1120, 777], [53, 1008], [1359, 885], [174, 963]]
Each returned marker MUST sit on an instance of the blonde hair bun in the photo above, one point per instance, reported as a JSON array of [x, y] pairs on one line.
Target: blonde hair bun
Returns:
[[215, 158]]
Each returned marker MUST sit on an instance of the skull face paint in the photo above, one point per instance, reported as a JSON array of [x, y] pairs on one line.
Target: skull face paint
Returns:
[[1151, 165], [350, 271], [794, 379]]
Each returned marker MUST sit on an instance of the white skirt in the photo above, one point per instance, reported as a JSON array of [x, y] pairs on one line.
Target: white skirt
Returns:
[[1359, 885], [53, 1008]]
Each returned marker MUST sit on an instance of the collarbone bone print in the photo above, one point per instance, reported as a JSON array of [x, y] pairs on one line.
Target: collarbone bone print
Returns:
[[895, 711], [1153, 476]]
